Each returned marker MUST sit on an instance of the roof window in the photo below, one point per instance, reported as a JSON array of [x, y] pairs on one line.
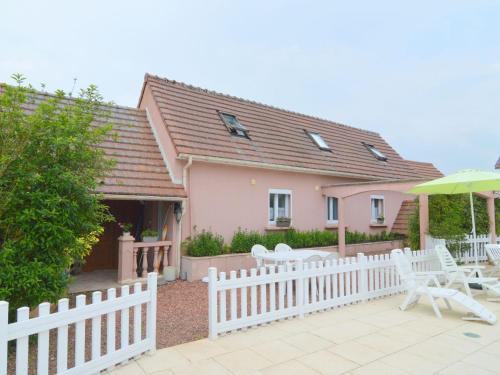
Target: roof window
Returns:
[[378, 154], [233, 125], [320, 142]]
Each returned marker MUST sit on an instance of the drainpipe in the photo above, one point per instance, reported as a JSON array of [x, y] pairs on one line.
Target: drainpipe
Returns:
[[184, 207]]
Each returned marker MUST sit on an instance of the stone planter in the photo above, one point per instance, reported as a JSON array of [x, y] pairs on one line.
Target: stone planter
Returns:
[[283, 222], [149, 239], [196, 268]]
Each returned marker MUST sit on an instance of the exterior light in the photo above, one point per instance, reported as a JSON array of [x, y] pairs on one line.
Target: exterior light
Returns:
[[178, 211]]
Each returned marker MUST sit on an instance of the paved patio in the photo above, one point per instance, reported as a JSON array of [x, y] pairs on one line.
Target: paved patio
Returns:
[[368, 338]]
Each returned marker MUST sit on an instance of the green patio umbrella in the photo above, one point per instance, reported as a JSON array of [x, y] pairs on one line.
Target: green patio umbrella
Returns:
[[466, 181]]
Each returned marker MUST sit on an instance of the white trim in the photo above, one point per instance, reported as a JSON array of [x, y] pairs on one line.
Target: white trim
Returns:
[[175, 180], [276, 192], [279, 167]]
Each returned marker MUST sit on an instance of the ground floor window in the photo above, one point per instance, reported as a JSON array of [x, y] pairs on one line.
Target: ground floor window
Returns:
[[279, 204], [377, 209], [332, 210]]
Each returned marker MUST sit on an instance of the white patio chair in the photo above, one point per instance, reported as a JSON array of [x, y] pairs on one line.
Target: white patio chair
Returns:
[[281, 248], [418, 284], [465, 275], [333, 257], [256, 251], [493, 252], [312, 262]]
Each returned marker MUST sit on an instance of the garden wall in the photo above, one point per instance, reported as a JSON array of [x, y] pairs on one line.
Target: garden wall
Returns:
[[196, 268]]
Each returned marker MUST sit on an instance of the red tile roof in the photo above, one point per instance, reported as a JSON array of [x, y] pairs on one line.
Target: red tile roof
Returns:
[[139, 169], [401, 224], [424, 169], [277, 136]]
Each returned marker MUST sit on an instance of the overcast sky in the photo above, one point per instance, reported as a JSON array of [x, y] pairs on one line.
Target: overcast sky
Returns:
[[424, 74]]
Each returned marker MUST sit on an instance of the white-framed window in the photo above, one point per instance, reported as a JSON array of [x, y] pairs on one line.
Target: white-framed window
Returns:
[[377, 209], [332, 210], [280, 204]]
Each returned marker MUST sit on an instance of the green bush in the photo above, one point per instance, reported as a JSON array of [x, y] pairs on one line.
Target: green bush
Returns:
[[49, 170], [204, 244]]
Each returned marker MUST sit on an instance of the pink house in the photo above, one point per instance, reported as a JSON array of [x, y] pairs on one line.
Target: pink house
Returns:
[[192, 158], [246, 164]]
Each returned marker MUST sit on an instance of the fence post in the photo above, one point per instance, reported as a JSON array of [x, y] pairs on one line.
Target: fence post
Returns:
[[212, 303], [151, 312], [363, 281], [300, 287], [4, 324]]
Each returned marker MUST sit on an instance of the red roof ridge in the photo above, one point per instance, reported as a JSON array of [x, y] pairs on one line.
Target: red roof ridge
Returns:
[[67, 96], [216, 93]]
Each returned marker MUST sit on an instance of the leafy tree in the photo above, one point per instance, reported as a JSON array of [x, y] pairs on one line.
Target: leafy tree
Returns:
[[49, 168]]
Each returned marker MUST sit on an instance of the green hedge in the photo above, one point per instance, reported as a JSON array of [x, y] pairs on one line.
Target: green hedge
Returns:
[[450, 218], [207, 243]]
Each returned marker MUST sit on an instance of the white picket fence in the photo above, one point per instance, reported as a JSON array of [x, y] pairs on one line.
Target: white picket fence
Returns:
[[64, 317], [465, 253], [277, 292]]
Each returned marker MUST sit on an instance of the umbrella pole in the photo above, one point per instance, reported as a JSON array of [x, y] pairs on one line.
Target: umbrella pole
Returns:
[[473, 227]]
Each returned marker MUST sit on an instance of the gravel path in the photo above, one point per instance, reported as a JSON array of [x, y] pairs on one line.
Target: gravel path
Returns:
[[182, 316]]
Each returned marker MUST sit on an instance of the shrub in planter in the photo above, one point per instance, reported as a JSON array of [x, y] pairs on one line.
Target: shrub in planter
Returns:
[[204, 244], [149, 235], [243, 241]]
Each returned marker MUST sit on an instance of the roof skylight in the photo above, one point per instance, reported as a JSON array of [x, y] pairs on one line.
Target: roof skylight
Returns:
[[320, 142], [233, 125], [377, 153]]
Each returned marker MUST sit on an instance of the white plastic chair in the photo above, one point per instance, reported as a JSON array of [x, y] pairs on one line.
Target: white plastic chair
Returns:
[[493, 252], [418, 284], [333, 257], [256, 251], [281, 248], [464, 275]]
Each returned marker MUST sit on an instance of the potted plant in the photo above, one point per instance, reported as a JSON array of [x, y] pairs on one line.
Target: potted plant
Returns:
[[283, 222], [126, 228], [381, 219], [149, 235]]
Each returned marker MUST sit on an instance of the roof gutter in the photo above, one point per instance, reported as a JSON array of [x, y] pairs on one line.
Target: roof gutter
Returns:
[[143, 198], [280, 167]]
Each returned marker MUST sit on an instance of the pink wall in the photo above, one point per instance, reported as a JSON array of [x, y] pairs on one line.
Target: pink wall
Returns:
[[358, 210], [223, 198], [165, 142]]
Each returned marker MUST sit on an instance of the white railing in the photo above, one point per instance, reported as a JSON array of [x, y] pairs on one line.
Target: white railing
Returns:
[[277, 292], [100, 358], [465, 251]]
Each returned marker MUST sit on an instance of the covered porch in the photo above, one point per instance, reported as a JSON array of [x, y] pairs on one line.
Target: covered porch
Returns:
[[122, 257], [342, 192]]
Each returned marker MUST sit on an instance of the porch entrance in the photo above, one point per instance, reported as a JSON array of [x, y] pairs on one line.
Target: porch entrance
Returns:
[[104, 255]]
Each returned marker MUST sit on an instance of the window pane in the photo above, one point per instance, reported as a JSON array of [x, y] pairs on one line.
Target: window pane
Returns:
[[333, 209], [377, 208], [271, 207], [281, 205], [319, 141]]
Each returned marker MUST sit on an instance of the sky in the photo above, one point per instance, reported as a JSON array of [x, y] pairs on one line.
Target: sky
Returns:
[[423, 74]]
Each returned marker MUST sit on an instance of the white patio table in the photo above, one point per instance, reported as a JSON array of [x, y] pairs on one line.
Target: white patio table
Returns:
[[291, 256]]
